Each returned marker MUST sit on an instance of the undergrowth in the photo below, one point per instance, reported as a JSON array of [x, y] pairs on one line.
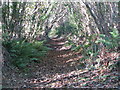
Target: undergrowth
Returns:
[[92, 47], [23, 53]]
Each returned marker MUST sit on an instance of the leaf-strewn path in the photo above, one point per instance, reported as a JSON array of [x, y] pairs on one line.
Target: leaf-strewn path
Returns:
[[60, 68]]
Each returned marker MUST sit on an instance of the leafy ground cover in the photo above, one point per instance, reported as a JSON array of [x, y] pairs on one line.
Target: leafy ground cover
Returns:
[[60, 69]]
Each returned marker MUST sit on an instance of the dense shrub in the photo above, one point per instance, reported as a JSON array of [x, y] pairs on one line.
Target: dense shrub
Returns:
[[111, 42], [23, 53], [90, 48]]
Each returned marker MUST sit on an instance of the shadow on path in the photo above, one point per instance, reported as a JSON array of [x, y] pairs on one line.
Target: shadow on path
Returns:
[[60, 68]]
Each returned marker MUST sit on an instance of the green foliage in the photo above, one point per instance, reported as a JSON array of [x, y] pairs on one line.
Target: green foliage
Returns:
[[23, 53], [82, 65], [76, 48], [111, 42], [114, 33], [53, 32], [66, 28], [89, 49]]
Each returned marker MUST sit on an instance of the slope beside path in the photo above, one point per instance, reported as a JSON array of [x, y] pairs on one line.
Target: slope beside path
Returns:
[[60, 68]]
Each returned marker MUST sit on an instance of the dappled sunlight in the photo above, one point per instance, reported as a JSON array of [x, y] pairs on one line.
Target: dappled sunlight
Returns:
[[57, 77], [64, 69], [72, 53], [57, 43], [77, 77], [58, 39], [74, 59], [60, 45], [65, 55]]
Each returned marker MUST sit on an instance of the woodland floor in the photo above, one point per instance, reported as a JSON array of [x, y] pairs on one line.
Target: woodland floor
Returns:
[[60, 68]]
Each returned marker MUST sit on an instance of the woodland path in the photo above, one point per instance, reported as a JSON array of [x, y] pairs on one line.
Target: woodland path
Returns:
[[60, 68], [60, 63]]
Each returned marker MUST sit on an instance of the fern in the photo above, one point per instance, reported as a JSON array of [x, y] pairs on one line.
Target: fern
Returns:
[[111, 42], [23, 53]]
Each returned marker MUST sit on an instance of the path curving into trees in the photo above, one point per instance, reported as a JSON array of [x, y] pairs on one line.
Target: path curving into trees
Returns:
[[60, 44], [60, 69]]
